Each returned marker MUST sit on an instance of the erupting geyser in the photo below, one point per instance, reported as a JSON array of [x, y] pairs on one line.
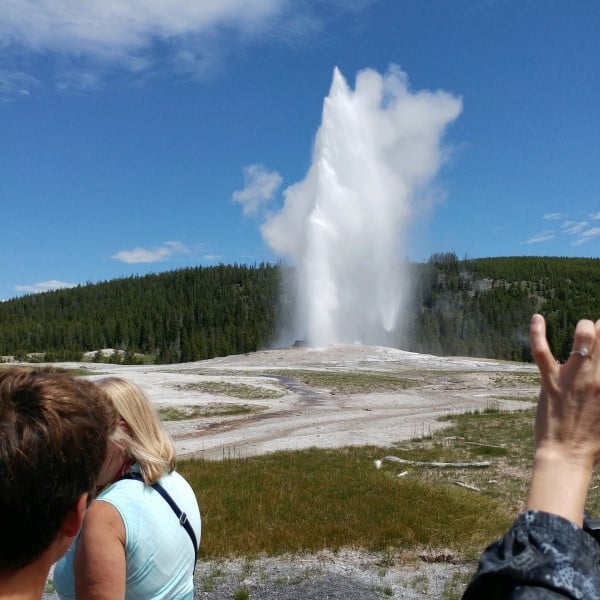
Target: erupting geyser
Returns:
[[375, 152]]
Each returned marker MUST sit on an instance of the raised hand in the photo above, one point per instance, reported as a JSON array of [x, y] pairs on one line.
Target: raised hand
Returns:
[[567, 426]]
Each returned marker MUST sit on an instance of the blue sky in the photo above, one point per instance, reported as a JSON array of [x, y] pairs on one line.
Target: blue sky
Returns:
[[144, 137]]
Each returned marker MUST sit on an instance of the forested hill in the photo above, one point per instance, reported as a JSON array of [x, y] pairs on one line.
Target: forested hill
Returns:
[[482, 307], [476, 307], [177, 316]]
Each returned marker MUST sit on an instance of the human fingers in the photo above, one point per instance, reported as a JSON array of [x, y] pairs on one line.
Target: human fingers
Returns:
[[583, 343], [595, 356], [539, 345]]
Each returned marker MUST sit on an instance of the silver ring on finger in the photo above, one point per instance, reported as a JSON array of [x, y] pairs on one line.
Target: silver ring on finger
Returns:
[[582, 352]]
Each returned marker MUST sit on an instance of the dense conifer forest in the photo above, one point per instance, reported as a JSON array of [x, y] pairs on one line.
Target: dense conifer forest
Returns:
[[478, 307]]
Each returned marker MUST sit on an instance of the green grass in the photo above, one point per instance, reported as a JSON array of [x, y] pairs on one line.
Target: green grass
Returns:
[[503, 438], [241, 594], [76, 372], [192, 411], [235, 390], [513, 379], [315, 499], [527, 398], [308, 500], [455, 586], [346, 382]]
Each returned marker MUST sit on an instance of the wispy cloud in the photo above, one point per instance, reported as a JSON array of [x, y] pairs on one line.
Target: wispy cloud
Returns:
[[150, 255], [44, 286], [577, 231], [260, 186], [574, 227], [556, 216], [544, 236], [122, 29], [87, 40], [15, 83], [587, 235]]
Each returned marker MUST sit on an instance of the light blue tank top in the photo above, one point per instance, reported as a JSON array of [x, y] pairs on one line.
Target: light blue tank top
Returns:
[[159, 552]]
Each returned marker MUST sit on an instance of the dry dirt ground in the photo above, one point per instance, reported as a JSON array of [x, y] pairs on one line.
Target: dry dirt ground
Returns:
[[286, 414], [290, 415]]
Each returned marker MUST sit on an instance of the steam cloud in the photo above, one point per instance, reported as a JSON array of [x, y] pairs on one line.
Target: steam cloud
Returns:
[[342, 226]]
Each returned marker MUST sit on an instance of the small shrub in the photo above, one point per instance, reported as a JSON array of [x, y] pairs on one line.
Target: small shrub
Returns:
[[241, 594]]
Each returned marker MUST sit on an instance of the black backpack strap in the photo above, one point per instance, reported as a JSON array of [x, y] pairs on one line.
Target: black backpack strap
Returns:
[[183, 520]]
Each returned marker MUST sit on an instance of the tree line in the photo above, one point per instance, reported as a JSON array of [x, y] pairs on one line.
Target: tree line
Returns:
[[482, 307], [470, 307]]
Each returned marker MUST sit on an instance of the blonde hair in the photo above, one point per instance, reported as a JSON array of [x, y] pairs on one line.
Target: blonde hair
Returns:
[[144, 440]]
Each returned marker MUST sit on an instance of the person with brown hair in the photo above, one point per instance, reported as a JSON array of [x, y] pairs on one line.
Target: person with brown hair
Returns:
[[54, 431], [140, 536]]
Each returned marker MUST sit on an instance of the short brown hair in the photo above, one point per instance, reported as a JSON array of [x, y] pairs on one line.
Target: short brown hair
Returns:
[[54, 432]]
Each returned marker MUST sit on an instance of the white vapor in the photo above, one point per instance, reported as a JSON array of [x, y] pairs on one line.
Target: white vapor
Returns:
[[150, 255], [260, 187], [44, 286], [377, 149]]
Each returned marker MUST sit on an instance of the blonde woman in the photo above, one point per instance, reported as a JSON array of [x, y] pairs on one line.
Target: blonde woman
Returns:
[[140, 536]]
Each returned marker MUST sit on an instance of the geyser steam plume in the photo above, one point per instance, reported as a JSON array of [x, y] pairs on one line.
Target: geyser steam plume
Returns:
[[375, 152]]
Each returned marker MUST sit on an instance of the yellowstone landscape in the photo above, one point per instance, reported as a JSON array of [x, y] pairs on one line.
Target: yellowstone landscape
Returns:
[[289, 399]]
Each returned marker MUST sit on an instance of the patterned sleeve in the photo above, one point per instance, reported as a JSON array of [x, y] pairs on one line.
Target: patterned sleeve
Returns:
[[541, 556]]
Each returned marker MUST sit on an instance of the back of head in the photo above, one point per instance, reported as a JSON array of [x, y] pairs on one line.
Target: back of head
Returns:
[[54, 431], [144, 438]]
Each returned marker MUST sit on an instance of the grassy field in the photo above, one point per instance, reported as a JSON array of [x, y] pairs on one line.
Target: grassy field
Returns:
[[314, 499], [236, 390], [350, 382]]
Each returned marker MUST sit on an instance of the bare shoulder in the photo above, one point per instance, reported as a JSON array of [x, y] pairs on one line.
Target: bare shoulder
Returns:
[[100, 563], [103, 518]]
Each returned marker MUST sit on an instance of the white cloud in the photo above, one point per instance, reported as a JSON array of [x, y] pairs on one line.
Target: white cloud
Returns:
[[213, 257], [587, 235], [120, 29], [581, 230], [78, 80], [87, 40], [44, 286], [15, 83], [260, 186], [553, 216], [544, 236], [150, 255], [574, 227]]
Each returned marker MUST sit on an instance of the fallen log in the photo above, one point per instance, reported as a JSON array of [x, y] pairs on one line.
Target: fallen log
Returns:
[[441, 465], [485, 445], [466, 485]]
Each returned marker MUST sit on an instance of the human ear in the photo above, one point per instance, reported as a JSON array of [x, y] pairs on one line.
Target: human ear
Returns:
[[72, 523]]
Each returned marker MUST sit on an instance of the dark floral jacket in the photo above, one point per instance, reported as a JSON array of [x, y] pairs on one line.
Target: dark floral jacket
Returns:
[[541, 556]]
